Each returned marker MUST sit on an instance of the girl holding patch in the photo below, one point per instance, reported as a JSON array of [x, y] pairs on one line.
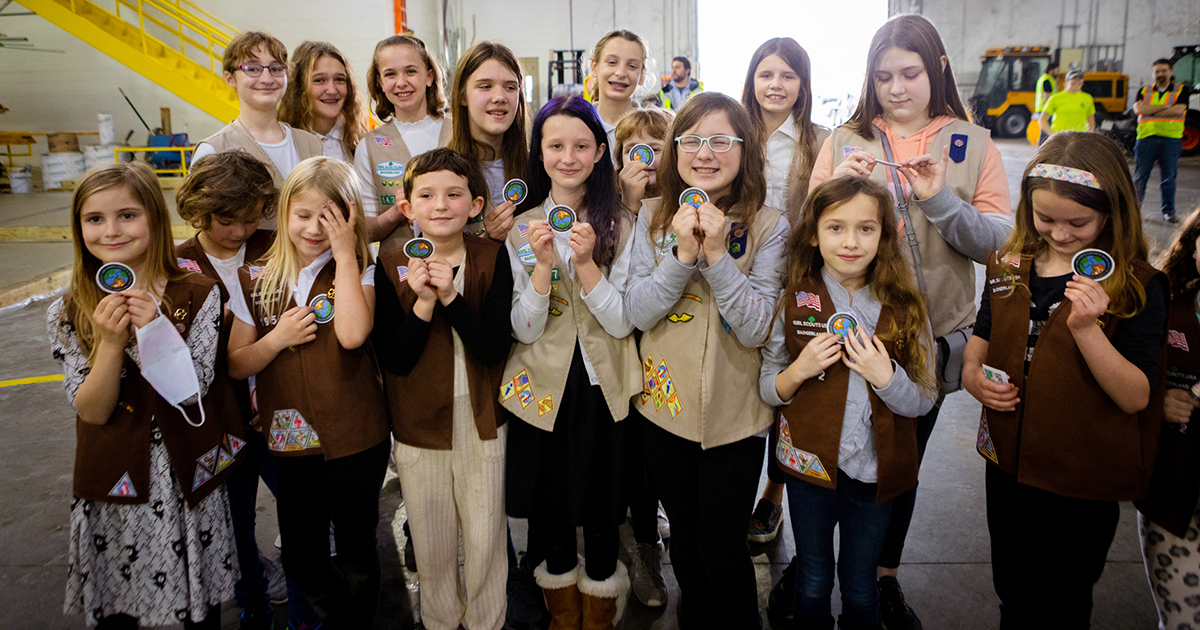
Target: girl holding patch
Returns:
[[320, 401], [1167, 517], [490, 126], [1072, 407], [636, 179], [955, 199], [704, 283], [618, 68], [151, 537], [322, 97], [405, 85], [569, 380], [845, 433]]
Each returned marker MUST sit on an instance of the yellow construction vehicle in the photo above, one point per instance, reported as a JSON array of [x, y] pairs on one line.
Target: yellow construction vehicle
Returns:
[[1004, 94]]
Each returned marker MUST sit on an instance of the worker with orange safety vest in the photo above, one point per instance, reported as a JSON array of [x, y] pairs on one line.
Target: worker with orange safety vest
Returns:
[[1161, 109]]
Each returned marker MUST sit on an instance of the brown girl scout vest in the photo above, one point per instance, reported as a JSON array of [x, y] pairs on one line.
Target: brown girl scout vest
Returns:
[[422, 402], [536, 374], [1175, 486], [235, 136], [949, 275], [112, 460], [389, 156], [318, 397], [810, 427], [699, 382], [1066, 436]]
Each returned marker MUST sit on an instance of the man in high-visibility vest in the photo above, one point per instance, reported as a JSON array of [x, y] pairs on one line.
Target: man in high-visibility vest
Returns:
[[681, 86], [1161, 109], [1047, 86]]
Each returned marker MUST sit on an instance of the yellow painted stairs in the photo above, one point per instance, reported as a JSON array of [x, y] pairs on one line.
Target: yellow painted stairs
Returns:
[[174, 43]]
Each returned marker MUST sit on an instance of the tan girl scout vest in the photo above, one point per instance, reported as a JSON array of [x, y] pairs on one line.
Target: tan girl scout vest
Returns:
[[389, 156], [112, 460], [536, 374], [422, 402], [1175, 486], [700, 382], [1066, 436], [949, 275], [235, 136], [810, 428], [319, 397], [191, 257]]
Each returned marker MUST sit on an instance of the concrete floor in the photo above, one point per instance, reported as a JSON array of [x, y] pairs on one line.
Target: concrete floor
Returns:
[[946, 572]]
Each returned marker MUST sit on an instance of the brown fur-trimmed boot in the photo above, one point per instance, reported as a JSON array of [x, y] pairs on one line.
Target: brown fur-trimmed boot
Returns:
[[562, 597], [604, 600]]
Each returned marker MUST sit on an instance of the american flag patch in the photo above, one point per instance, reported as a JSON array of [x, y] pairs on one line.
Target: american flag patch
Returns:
[[187, 264], [848, 150], [403, 271], [1177, 339], [523, 229], [383, 141], [811, 300], [255, 272]]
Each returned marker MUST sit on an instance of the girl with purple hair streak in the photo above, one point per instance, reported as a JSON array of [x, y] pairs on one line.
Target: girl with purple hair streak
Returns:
[[568, 381]]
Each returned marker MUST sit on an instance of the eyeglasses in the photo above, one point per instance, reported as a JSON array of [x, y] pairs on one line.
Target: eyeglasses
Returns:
[[718, 144], [255, 69]]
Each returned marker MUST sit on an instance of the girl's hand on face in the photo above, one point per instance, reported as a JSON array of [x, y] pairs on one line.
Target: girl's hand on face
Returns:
[[113, 320], [857, 164], [499, 221], [993, 395], [926, 174], [340, 231], [541, 240], [1178, 406], [820, 353], [715, 230], [142, 309], [296, 327], [867, 356], [687, 226], [633, 179], [583, 239], [441, 278], [1088, 303], [418, 280]]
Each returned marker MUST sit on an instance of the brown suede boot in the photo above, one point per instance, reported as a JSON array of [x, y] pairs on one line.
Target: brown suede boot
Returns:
[[604, 600], [562, 597]]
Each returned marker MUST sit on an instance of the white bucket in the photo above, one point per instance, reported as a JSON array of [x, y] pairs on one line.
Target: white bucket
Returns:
[[21, 181], [59, 167], [94, 156], [106, 128]]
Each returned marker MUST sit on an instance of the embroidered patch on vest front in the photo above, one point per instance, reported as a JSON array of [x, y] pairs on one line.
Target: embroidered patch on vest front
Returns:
[[383, 141], [520, 382], [403, 273], [255, 272], [200, 477], [680, 318], [958, 147], [124, 488], [291, 432], [525, 255], [798, 460], [674, 406], [811, 300], [666, 244], [389, 169], [983, 442], [187, 264], [545, 405], [235, 444], [738, 234], [1177, 340]]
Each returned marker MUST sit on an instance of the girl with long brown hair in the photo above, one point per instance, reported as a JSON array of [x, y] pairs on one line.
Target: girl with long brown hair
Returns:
[[618, 67], [322, 97]]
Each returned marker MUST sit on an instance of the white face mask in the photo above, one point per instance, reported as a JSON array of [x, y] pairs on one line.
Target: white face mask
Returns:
[[167, 365]]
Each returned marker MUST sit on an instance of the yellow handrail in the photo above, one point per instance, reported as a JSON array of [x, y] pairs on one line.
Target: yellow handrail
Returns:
[[183, 18], [183, 158]]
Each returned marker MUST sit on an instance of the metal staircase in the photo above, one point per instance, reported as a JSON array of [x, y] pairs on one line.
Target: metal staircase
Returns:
[[173, 43]]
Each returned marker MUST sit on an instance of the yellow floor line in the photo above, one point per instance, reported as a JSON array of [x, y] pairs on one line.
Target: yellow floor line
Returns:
[[31, 380]]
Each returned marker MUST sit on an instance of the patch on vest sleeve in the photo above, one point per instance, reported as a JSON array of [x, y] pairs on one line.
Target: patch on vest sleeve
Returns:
[[291, 432], [983, 442], [545, 405], [124, 488], [798, 460]]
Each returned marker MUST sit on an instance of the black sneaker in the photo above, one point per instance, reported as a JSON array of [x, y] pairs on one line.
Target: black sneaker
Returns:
[[257, 621], [1170, 218], [410, 554], [783, 594], [894, 612], [526, 604]]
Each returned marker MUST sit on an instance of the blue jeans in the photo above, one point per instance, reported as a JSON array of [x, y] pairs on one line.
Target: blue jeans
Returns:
[[250, 592], [863, 523], [1166, 151]]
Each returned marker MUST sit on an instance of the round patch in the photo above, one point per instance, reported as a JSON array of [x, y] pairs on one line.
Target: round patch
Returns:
[[322, 307], [641, 153], [389, 169], [515, 191], [841, 324], [693, 197], [1093, 263], [419, 248], [115, 277], [561, 218]]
